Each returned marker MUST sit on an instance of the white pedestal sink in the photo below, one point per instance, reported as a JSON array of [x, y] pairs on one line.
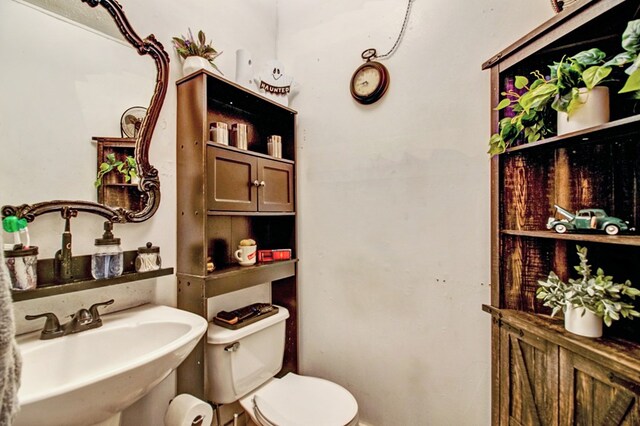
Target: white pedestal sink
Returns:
[[90, 377]]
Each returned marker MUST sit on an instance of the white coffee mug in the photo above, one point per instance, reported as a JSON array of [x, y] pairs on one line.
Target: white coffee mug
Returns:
[[246, 255]]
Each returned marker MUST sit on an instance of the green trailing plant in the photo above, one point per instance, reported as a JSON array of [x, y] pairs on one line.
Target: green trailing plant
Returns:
[[559, 92], [128, 168], [190, 46], [597, 293], [530, 120], [631, 55]]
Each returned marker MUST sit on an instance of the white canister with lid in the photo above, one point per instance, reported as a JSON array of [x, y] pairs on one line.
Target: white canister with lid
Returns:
[[148, 258]]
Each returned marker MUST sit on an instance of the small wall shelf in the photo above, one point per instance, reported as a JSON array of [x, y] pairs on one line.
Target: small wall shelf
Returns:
[[82, 270]]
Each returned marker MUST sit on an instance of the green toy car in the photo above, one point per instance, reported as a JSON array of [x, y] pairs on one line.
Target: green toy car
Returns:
[[587, 220]]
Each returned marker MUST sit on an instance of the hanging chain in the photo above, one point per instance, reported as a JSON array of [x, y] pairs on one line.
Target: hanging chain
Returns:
[[370, 54]]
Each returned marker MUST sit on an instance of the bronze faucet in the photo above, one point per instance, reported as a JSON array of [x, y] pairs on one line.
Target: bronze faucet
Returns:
[[63, 258], [84, 319]]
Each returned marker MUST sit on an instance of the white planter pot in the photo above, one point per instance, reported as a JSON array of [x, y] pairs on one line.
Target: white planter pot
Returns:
[[589, 324], [194, 63], [593, 111]]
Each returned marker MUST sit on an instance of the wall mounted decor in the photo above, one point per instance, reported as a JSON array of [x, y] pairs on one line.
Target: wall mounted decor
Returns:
[[274, 84], [560, 5], [370, 80], [149, 182]]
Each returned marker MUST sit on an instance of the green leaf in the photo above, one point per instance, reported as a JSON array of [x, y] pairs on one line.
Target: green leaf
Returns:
[[633, 83], [631, 37], [589, 57], [503, 104], [620, 59], [594, 75], [521, 82]]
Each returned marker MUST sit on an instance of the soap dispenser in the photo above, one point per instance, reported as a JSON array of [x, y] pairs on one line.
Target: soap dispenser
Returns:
[[108, 259]]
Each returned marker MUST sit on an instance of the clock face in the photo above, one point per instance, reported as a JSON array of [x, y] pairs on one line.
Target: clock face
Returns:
[[369, 82], [366, 81]]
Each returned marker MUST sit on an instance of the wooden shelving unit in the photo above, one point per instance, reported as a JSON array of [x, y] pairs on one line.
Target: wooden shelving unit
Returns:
[[226, 194], [543, 374], [114, 191]]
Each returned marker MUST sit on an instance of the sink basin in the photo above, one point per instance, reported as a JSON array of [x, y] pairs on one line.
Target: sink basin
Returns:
[[89, 377]]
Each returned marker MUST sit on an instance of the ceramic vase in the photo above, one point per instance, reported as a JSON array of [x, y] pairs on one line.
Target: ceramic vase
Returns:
[[192, 64], [588, 325], [593, 111]]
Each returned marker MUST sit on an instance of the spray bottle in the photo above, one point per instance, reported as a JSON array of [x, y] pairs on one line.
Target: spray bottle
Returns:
[[17, 227]]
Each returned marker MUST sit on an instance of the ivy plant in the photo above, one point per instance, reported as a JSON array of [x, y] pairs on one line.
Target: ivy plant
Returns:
[[597, 293], [559, 92], [128, 168], [631, 55]]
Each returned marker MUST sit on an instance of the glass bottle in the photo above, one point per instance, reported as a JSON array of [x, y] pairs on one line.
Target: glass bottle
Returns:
[[108, 259], [148, 258]]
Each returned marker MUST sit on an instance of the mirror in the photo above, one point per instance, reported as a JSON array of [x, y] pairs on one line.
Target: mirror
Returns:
[[60, 91]]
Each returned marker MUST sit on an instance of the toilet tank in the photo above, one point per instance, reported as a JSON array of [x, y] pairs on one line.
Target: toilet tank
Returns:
[[238, 361]]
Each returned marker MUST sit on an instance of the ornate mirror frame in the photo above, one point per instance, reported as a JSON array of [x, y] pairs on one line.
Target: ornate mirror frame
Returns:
[[149, 185]]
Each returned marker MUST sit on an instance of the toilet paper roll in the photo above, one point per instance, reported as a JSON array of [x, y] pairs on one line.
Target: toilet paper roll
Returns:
[[187, 410]]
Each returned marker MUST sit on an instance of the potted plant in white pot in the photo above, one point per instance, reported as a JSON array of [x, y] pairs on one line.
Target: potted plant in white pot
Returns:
[[197, 53], [588, 301], [573, 90], [580, 101]]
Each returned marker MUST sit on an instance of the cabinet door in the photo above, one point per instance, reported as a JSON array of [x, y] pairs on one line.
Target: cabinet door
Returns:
[[275, 193], [592, 395], [230, 180], [528, 379]]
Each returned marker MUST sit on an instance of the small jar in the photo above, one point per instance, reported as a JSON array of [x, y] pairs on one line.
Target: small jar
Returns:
[[108, 259], [148, 258], [22, 265]]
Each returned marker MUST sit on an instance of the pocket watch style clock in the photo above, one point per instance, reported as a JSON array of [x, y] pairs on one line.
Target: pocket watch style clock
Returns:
[[370, 81]]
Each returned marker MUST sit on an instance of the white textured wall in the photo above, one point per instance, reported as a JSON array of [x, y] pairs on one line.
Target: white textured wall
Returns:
[[394, 201], [250, 24]]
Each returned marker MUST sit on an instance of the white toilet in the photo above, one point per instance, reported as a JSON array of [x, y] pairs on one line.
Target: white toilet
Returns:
[[241, 365]]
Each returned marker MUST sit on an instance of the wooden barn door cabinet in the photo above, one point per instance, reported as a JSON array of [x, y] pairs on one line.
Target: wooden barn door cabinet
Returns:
[[542, 374], [549, 377], [226, 194]]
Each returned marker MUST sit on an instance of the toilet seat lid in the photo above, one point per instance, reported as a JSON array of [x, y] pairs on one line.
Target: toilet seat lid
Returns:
[[302, 401]]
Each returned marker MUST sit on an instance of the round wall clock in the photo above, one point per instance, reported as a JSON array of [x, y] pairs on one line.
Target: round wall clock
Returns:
[[370, 81]]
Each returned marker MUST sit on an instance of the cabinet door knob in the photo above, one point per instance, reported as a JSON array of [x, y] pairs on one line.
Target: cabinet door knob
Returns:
[[262, 183], [256, 183]]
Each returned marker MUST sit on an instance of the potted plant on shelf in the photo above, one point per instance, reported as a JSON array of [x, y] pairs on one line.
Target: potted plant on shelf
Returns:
[[197, 53], [128, 168], [588, 300], [573, 82]]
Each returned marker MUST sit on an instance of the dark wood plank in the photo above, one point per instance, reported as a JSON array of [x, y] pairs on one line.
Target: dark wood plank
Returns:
[[627, 240]]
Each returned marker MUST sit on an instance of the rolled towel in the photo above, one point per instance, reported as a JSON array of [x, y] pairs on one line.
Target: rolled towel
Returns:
[[10, 361]]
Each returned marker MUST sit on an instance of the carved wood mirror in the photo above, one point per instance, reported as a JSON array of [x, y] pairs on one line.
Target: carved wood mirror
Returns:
[[17, 138]]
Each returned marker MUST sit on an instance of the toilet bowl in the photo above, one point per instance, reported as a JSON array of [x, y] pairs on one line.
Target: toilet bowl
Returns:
[[241, 364], [296, 400]]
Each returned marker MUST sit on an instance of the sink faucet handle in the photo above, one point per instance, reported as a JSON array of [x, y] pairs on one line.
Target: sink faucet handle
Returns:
[[94, 309], [51, 326]]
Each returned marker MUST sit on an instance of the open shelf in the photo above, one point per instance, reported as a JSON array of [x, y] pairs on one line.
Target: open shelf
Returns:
[[610, 130], [626, 240], [87, 284], [249, 152], [235, 277]]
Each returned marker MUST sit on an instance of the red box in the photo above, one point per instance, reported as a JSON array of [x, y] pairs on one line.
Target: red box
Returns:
[[274, 255]]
